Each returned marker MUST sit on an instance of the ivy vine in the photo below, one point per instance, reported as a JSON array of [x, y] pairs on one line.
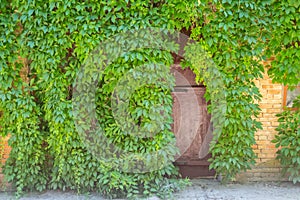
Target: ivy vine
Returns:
[[56, 38], [285, 69], [288, 141]]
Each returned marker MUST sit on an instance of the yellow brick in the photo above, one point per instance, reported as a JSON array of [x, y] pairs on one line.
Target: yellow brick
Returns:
[[266, 105], [267, 155], [273, 119], [272, 101], [267, 86], [274, 110], [275, 124], [274, 91], [278, 87], [259, 142], [263, 160], [263, 92], [270, 128], [266, 81], [257, 152], [277, 106], [278, 96], [262, 137], [265, 122], [269, 115]]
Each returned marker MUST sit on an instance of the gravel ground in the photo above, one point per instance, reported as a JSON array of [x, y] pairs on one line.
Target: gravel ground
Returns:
[[202, 189]]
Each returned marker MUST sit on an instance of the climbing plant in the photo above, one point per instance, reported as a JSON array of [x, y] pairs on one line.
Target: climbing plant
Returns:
[[57, 38], [288, 141], [284, 45], [285, 69], [235, 34], [20, 111]]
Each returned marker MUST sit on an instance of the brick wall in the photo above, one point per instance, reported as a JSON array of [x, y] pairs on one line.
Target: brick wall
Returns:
[[267, 168], [4, 149], [4, 153]]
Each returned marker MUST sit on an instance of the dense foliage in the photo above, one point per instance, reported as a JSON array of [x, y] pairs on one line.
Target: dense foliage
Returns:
[[234, 33], [57, 37], [288, 139], [286, 69], [284, 45]]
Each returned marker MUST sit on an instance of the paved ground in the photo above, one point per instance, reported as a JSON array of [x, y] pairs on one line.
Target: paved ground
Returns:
[[201, 189]]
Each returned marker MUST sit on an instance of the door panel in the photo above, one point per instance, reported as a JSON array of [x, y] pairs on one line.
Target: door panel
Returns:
[[191, 124], [191, 120]]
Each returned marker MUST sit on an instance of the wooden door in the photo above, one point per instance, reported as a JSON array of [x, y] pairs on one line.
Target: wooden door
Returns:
[[191, 124]]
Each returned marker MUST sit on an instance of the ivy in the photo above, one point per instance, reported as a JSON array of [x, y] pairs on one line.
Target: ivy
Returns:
[[284, 45], [234, 34], [288, 141], [285, 69], [56, 145], [47, 151]]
